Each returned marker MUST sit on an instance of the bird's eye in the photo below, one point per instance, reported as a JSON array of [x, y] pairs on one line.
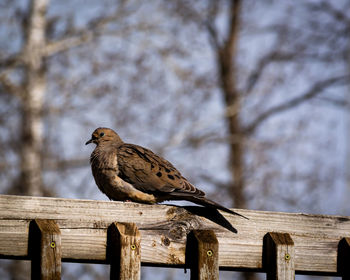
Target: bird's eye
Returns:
[[102, 134]]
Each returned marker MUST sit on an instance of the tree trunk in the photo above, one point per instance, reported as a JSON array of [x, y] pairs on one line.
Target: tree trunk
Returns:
[[30, 182], [226, 55], [227, 67]]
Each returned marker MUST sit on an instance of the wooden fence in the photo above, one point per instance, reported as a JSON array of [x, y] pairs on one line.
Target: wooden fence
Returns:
[[128, 235]]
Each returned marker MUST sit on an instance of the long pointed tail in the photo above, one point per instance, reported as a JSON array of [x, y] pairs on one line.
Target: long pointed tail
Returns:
[[207, 202]]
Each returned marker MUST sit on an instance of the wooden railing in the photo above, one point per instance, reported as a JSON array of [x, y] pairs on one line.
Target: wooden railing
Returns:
[[128, 235]]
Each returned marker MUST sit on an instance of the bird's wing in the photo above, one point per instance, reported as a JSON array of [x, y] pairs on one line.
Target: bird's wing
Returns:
[[152, 174]]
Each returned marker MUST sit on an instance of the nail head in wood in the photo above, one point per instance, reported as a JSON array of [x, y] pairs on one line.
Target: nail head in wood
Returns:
[[279, 256], [202, 255], [45, 249], [124, 251]]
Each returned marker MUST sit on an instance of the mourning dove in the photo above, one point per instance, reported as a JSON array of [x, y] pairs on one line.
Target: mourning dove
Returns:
[[130, 172]]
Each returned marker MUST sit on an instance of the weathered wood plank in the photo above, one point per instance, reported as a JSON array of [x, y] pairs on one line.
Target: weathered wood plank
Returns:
[[164, 228], [45, 250], [202, 255], [279, 256], [124, 251]]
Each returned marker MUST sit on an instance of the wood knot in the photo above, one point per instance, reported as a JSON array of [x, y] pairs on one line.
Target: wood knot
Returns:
[[177, 232], [180, 229], [165, 240]]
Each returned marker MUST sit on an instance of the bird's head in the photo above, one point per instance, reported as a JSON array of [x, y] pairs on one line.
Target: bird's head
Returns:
[[104, 135]]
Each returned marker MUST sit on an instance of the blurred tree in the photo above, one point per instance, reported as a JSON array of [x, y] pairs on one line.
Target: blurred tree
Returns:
[[300, 45], [228, 67], [23, 81], [297, 49], [24, 73], [30, 93]]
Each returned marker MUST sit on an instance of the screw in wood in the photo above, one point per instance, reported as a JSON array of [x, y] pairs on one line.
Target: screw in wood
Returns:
[[287, 257], [133, 247], [53, 244], [209, 253]]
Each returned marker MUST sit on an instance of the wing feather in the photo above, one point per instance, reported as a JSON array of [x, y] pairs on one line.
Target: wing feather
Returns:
[[151, 173]]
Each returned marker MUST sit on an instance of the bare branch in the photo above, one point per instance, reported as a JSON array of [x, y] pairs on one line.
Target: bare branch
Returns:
[[315, 90], [214, 40], [325, 6], [68, 43], [9, 87], [210, 24], [271, 57], [280, 56], [83, 36], [11, 61], [234, 26]]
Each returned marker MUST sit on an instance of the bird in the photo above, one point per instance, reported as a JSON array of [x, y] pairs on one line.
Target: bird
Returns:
[[129, 172]]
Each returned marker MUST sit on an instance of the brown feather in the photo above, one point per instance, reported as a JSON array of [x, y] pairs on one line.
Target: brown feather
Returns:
[[130, 172]]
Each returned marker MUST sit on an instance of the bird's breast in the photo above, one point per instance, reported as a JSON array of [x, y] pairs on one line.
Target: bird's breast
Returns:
[[103, 165]]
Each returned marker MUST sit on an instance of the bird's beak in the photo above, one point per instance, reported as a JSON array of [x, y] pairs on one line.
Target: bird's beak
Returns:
[[88, 142]]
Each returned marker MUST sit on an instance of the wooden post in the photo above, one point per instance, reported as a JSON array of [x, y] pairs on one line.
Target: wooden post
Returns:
[[124, 251], [343, 261], [202, 255], [45, 249], [279, 256]]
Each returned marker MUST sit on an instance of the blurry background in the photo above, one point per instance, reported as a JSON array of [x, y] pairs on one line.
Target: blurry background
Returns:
[[249, 99]]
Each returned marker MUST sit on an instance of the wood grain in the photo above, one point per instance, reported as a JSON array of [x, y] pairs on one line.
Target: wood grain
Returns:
[[163, 229], [45, 250], [202, 249], [279, 256], [124, 251]]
